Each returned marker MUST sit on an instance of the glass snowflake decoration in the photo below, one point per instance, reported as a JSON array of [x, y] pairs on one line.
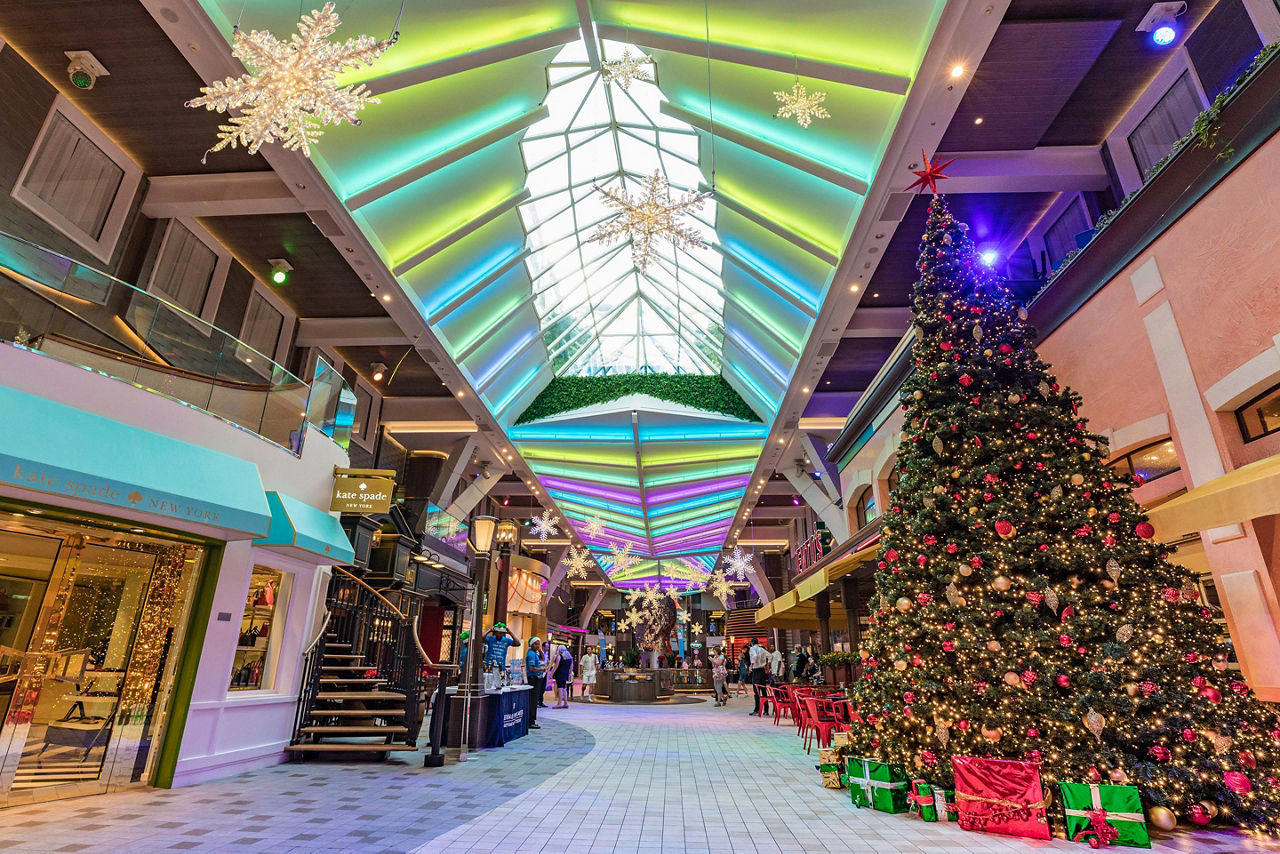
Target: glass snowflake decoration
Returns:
[[594, 527], [544, 526], [738, 564], [620, 558], [649, 217], [801, 105], [290, 90], [623, 71]]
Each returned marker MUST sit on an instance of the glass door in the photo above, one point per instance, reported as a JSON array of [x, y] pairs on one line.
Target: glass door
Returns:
[[89, 664]]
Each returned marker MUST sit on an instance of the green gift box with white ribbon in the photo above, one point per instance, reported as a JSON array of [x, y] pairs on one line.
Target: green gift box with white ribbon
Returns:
[[934, 802], [879, 785], [1118, 806]]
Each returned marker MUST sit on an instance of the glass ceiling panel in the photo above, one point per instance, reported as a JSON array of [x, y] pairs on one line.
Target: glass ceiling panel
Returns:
[[599, 314]]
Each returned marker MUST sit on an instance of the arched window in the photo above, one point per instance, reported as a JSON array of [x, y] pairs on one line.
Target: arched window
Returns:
[[895, 474], [866, 506]]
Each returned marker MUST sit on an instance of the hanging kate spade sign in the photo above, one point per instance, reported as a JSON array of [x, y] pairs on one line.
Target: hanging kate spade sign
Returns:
[[362, 490]]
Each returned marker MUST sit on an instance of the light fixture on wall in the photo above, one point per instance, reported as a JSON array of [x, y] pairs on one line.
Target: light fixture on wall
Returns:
[[280, 270], [379, 371], [85, 69], [1161, 21]]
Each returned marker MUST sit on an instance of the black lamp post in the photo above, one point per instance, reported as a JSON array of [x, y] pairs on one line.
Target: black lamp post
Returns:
[[471, 687]]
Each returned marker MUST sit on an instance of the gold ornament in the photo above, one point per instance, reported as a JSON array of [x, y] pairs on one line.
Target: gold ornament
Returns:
[[991, 734], [1113, 569], [1211, 808], [937, 445], [1091, 512], [987, 352], [965, 569], [648, 217], [290, 89], [938, 490], [1055, 493], [1051, 599], [801, 105], [953, 594], [1045, 389], [1131, 688], [917, 394], [993, 646], [1012, 679], [1094, 722], [1001, 583], [1077, 479], [903, 604], [1162, 818], [1117, 775], [1221, 743], [900, 664], [1014, 397], [977, 332], [1125, 633], [1086, 456], [863, 653]]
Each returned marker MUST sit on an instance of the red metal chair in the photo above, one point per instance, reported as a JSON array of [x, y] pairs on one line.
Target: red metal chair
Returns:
[[821, 723], [784, 704]]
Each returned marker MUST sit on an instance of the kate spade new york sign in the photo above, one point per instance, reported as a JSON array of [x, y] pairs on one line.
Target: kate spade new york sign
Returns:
[[357, 493]]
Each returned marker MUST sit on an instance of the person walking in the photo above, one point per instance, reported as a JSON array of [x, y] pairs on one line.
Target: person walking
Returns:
[[536, 674], [561, 665], [802, 664], [759, 660], [775, 664], [744, 672], [589, 665], [719, 673]]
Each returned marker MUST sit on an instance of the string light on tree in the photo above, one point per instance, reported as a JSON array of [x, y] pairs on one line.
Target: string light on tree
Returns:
[[648, 218], [290, 90], [1024, 609]]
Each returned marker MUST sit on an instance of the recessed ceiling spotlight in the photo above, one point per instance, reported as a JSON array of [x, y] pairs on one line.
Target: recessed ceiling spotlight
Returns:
[[804, 390], [1161, 21], [978, 120], [379, 371], [853, 289], [957, 71], [386, 297], [875, 295], [280, 270]]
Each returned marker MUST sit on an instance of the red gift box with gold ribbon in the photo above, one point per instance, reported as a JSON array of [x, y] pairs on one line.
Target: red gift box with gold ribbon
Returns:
[[1001, 796]]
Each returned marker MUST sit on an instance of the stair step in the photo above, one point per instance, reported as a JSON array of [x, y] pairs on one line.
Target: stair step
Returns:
[[357, 713], [350, 680], [390, 729], [359, 667], [360, 695], [331, 644], [347, 747], [344, 656]]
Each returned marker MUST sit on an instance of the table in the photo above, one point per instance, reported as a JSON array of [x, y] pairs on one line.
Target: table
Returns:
[[502, 717]]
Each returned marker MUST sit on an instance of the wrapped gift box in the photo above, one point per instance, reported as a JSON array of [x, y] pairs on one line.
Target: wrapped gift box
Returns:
[[933, 802], [841, 739], [1000, 796], [878, 785], [1119, 806]]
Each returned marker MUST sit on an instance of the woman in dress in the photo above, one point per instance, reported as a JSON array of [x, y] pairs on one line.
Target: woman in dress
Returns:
[[719, 673], [744, 672], [563, 672], [589, 665]]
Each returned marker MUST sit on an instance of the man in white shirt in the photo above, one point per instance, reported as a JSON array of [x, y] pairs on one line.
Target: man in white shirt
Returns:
[[759, 660], [775, 659]]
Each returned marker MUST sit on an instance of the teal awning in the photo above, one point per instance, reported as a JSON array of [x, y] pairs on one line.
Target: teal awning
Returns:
[[297, 524], [69, 453]]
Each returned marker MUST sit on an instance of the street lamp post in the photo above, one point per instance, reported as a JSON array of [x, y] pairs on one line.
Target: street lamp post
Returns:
[[506, 538], [482, 529]]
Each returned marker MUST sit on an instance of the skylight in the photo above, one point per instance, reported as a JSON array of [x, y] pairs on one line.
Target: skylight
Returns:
[[599, 314]]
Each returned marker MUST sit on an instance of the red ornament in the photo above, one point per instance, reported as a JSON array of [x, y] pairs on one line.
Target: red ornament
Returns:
[[1005, 348], [975, 562], [1159, 752], [929, 175], [1032, 732], [1082, 649], [1138, 480], [1065, 640], [928, 758], [891, 555], [1029, 677], [1034, 756], [916, 660], [909, 697], [1199, 682], [1063, 680], [1237, 782], [1247, 759], [1113, 517], [930, 539], [1189, 735], [1094, 776], [1239, 687], [1145, 530], [922, 559], [949, 626], [1191, 657], [966, 380], [952, 548], [1198, 814], [1035, 597], [1004, 528], [1084, 531], [948, 646], [946, 346], [1212, 694], [1108, 540], [1170, 594], [962, 725]]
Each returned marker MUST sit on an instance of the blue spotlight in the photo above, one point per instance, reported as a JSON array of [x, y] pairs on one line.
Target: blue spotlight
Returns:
[[989, 257], [1164, 35]]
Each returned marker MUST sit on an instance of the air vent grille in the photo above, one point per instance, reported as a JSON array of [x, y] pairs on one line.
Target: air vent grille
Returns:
[[827, 349]]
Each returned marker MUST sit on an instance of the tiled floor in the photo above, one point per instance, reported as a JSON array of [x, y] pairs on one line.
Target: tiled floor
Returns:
[[689, 778]]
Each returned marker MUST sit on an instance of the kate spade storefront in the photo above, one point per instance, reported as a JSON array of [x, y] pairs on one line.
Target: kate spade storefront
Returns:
[[126, 557]]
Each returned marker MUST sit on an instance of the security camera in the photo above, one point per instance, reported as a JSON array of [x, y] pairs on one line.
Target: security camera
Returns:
[[84, 70]]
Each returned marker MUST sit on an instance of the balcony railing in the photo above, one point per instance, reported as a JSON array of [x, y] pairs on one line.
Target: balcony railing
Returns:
[[59, 307]]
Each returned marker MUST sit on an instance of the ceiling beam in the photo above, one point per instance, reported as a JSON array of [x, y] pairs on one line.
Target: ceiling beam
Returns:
[[1048, 169], [471, 61], [762, 278], [588, 27], [767, 149], [426, 410], [747, 212], [644, 503], [469, 227], [475, 289], [452, 155], [873, 322], [881, 81], [349, 332], [224, 194]]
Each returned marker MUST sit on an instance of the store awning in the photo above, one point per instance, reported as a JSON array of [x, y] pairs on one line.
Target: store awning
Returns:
[[297, 525], [1247, 493], [796, 609], [68, 453]]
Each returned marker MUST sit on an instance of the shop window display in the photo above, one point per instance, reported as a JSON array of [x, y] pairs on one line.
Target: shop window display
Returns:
[[258, 646]]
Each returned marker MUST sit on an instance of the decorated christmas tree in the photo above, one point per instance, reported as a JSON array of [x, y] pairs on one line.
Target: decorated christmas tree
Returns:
[[1024, 610]]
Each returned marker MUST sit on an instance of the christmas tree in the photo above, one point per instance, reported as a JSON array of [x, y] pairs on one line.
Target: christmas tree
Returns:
[[1024, 610]]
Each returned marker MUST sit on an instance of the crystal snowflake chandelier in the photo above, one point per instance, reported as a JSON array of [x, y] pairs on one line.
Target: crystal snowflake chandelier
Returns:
[[290, 90], [628, 68], [578, 562], [648, 217], [801, 105], [738, 564], [620, 558], [544, 526]]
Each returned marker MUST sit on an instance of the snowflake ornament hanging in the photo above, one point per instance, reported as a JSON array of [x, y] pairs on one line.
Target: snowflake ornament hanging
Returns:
[[620, 558], [695, 629], [649, 217], [290, 90], [594, 527], [629, 68], [578, 562], [802, 105], [544, 526], [718, 585], [738, 564]]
